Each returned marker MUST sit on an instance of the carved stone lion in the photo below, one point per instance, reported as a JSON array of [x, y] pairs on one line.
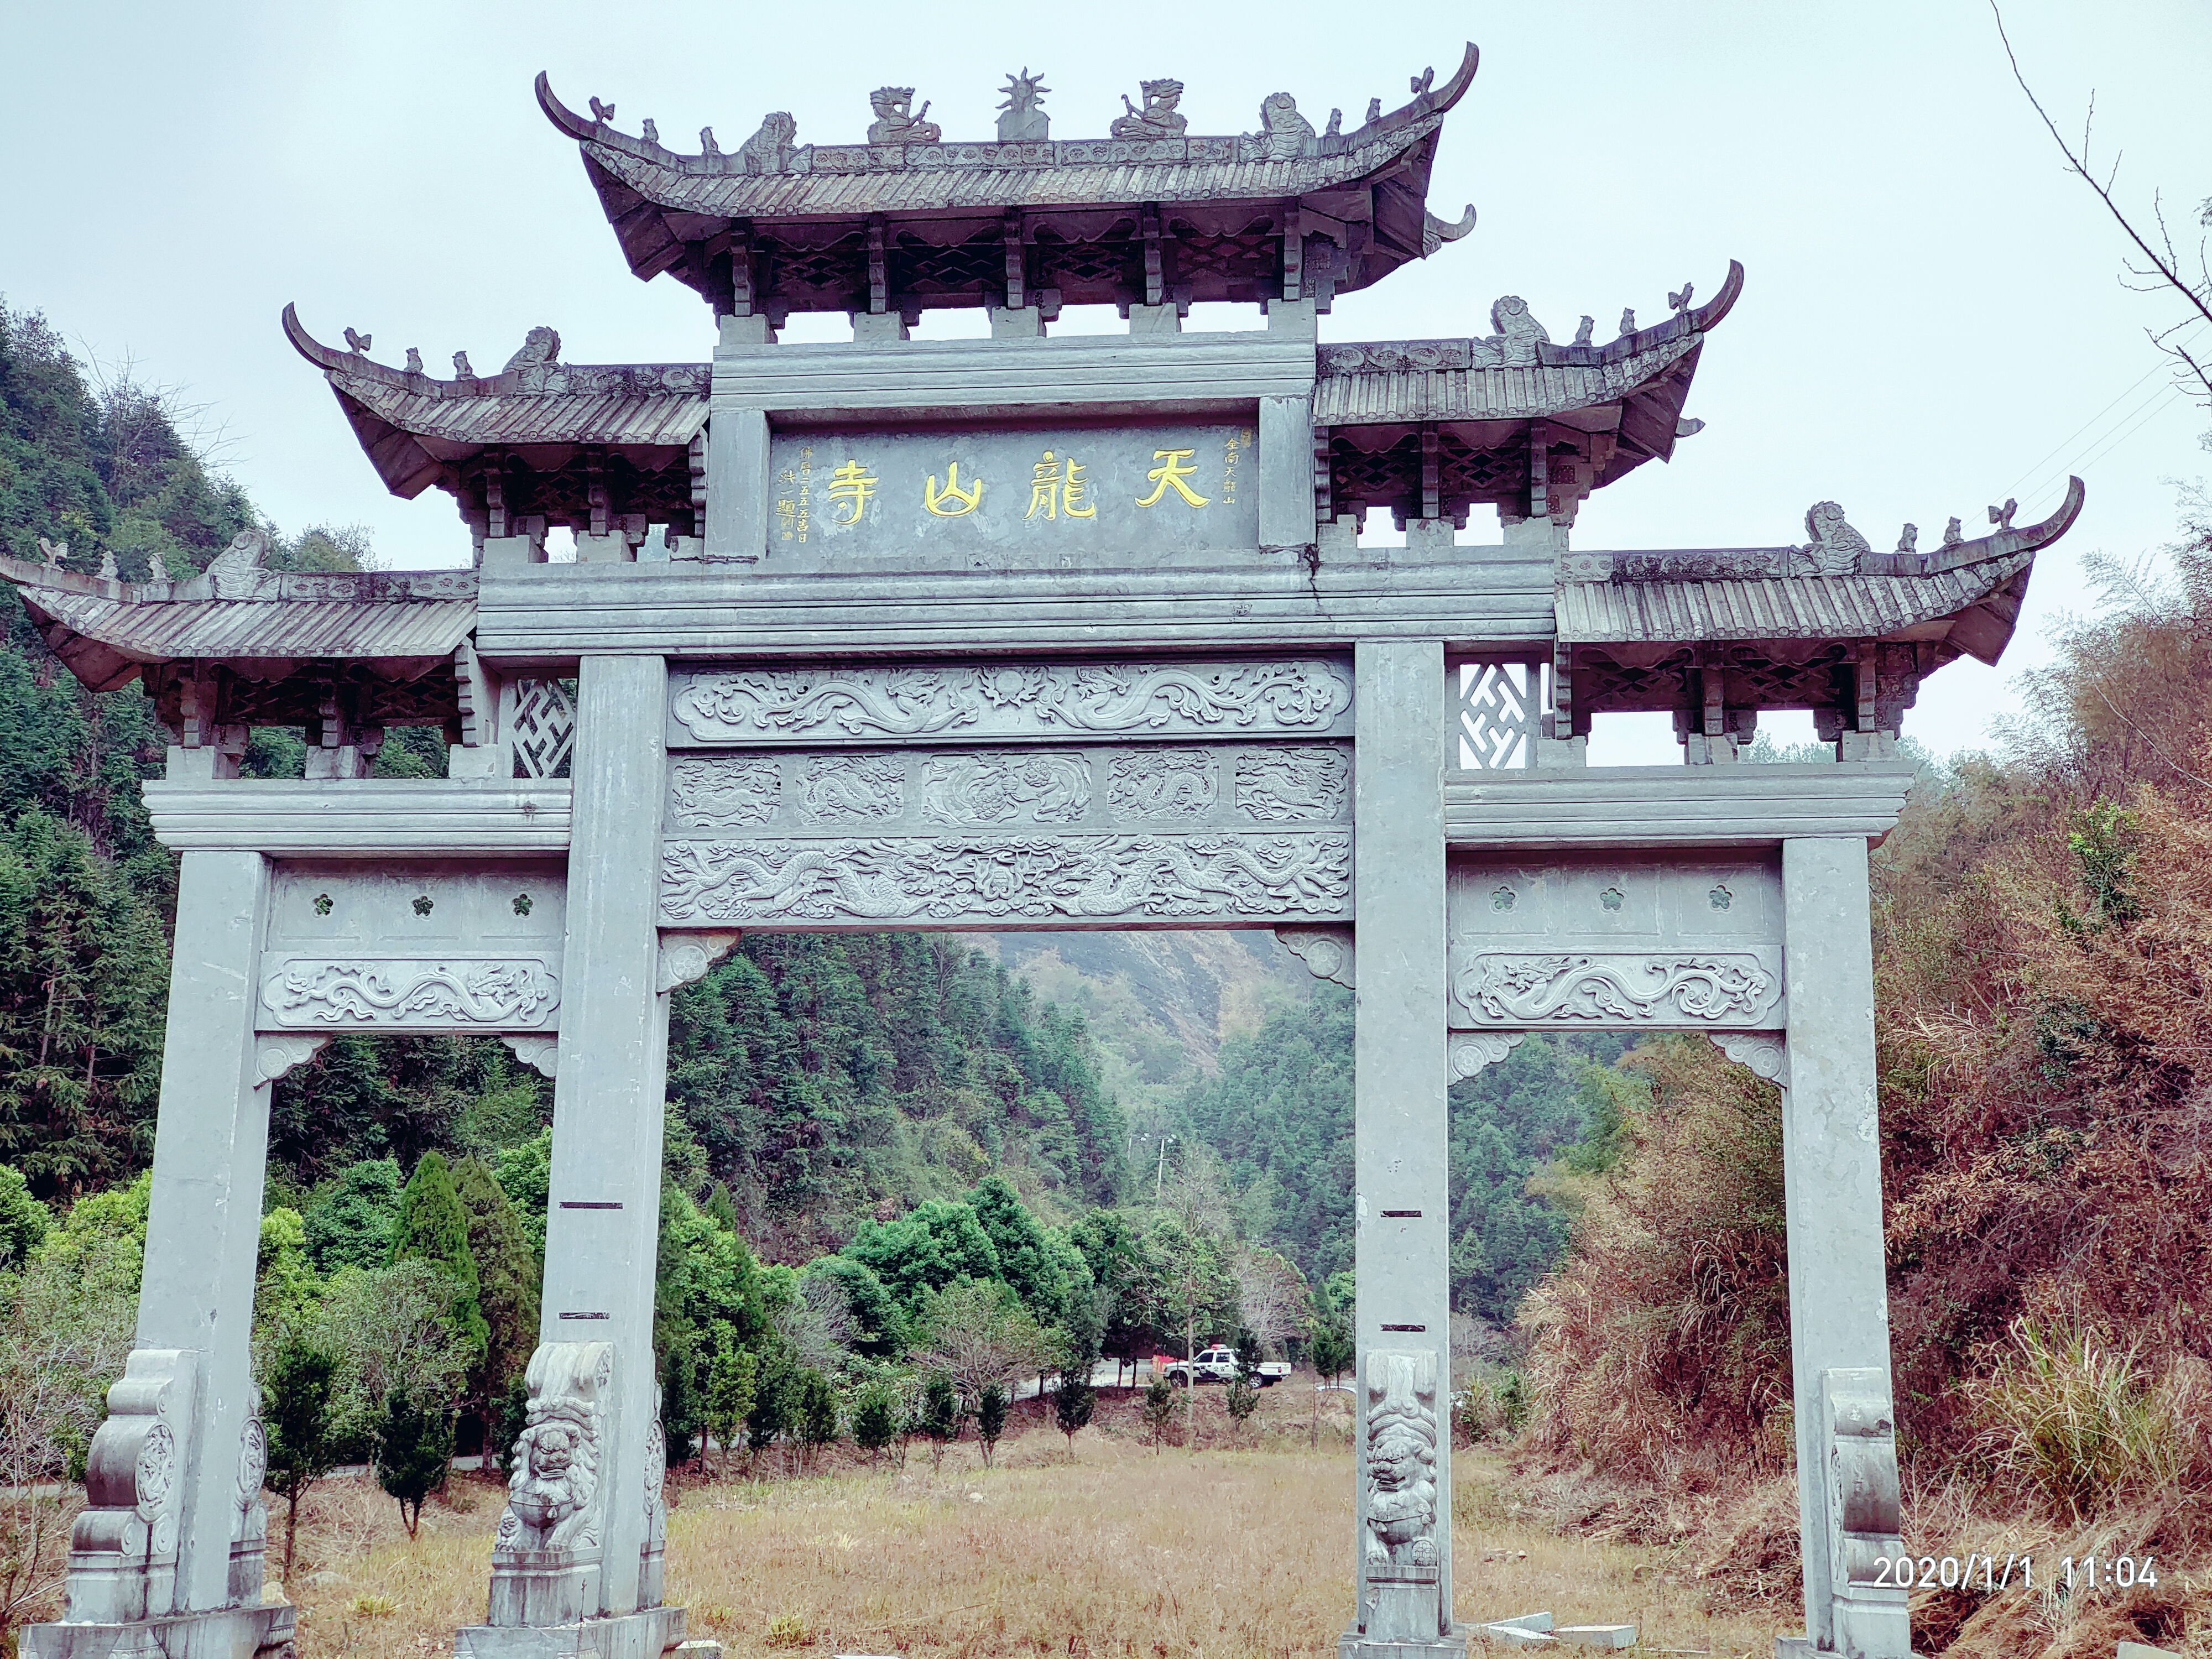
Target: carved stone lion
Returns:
[[549, 1499], [1836, 547], [769, 150], [1284, 133], [1401, 1459]]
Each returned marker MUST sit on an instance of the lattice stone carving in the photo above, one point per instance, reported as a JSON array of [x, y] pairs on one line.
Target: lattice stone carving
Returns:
[[544, 729], [1617, 987], [902, 877], [1496, 715]]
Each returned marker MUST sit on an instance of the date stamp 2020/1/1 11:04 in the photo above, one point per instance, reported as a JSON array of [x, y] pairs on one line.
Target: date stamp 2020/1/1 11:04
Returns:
[[2069, 1575]]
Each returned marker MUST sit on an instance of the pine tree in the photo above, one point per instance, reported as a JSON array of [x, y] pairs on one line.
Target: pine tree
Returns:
[[1159, 1410], [940, 1415], [730, 1382], [991, 1419], [818, 1419], [414, 1454], [295, 1411], [1072, 1408], [434, 1226], [875, 1420]]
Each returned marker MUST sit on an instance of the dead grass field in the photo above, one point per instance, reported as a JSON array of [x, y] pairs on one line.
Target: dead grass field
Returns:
[[1220, 1553]]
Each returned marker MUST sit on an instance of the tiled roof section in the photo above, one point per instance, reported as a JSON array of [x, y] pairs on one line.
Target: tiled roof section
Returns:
[[987, 177], [842, 179], [1797, 608], [414, 426], [1471, 379], [1389, 397], [284, 628], [666, 417], [107, 630]]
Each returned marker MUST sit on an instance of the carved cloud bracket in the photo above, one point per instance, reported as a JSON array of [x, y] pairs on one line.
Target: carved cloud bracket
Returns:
[[1328, 952], [539, 1051], [1468, 1052], [274, 1055], [685, 957], [1766, 1053]]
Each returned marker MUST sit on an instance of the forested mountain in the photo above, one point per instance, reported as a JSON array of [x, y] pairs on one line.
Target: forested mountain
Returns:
[[1279, 1117]]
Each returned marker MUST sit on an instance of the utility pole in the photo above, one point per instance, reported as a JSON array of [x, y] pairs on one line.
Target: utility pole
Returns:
[[1160, 1180]]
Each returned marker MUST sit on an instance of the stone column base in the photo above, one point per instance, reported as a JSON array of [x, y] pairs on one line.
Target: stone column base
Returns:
[[1352, 1645], [226, 1633], [645, 1635]]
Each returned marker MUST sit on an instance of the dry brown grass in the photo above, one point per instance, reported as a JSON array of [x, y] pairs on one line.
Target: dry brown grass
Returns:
[[1216, 1553]]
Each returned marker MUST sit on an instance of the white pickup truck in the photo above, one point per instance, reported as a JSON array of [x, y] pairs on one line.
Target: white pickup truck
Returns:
[[1218, 1365]]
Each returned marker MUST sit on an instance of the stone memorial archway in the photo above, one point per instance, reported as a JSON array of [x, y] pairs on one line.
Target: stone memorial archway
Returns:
[[1022, 632]]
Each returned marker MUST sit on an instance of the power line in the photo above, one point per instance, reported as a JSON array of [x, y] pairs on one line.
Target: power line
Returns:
[[2013, 487]]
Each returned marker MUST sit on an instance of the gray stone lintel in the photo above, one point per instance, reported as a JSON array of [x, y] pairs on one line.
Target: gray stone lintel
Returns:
[[1666, 807], [388, 816], [1481, 600], [1146, 374]]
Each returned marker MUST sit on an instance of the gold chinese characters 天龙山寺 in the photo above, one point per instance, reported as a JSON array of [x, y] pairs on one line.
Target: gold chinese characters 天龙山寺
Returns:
[[1058, 488], [961, 502], [1174, 468], [850, 487]]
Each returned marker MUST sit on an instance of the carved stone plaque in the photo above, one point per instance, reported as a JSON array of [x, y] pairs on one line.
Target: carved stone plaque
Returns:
[[1229, 785], [1625, 943], [1057, 703], [1032, 499], [369, 994], [961, 879]]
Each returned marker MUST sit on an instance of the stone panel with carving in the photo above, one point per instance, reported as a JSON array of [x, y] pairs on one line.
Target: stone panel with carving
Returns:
[[1294, 786], [1197, 877], [1163, 783], [851, 788], [1616, 988], [979, 788], [723, 792], [372, 993], [1298, 698]]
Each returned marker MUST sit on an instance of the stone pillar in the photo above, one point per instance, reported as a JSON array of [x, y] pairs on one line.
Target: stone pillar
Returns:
[[1286, 472], [738, 483], [584, 1506], [1403, 1528], [173, 1477], [1831, 1180]]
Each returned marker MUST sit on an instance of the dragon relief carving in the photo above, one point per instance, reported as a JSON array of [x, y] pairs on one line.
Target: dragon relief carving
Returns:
[[1304, 786], [552, 1501], [722, 792], [317, 991], [1163, 783], [980, 789], [894, 878], [1034, 700], [851, 788], [1509, 987]]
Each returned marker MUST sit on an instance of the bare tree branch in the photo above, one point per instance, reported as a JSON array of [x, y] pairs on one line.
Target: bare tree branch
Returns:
[[2164, 268]]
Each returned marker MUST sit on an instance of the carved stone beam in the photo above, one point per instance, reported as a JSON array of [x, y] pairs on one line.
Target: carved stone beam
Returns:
[[686, 957], [879, 280], [1155, 271], [1294, 257], [1328, 952], [1470, 1051]]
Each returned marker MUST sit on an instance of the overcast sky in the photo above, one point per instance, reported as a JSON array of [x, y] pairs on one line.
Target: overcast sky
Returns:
[[1932, 318]]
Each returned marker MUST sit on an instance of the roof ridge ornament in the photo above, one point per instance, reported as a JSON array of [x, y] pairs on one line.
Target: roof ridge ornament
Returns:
[[1022, 120], [897, 121], [1159, 119]]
